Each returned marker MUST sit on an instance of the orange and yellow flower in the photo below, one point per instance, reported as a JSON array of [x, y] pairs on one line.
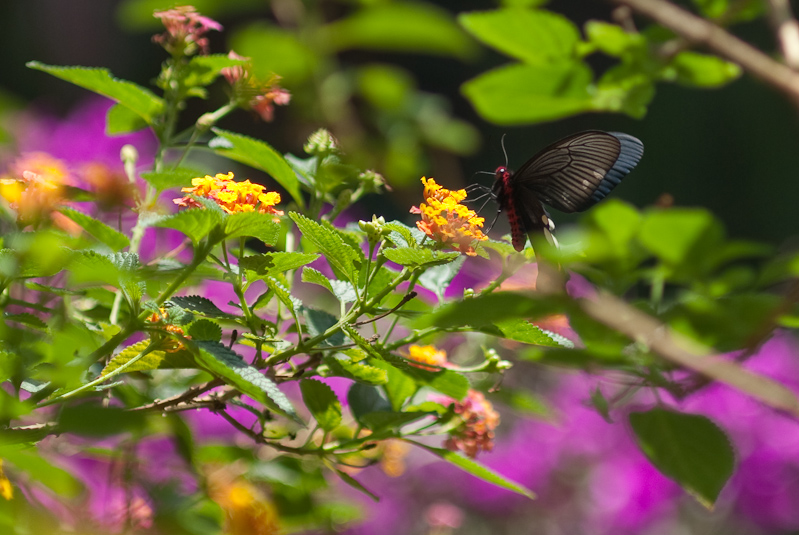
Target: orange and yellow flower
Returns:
[[232, 196], [446, 220], [476, 433], [35, 187], [248, 511], [427, 355]]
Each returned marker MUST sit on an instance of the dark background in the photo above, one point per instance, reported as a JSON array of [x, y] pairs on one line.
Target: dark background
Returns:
[[733, 150]]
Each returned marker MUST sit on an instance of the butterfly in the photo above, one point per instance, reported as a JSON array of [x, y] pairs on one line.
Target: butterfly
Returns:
[[571, 175]]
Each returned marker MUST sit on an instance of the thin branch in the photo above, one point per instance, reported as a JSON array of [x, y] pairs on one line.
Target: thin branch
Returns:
[[703, 32], [620, 316], [786, 29], [188, 395], [407, 297]]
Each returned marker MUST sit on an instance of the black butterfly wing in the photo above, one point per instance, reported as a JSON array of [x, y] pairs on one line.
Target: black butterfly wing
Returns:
[[575, 173]]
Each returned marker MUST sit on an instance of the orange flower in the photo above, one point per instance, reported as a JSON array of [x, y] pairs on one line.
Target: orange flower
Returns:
[[248, 510], [427, 355], [476, 433], [446, 220], [232, 196], [393, 459], [34, 188]]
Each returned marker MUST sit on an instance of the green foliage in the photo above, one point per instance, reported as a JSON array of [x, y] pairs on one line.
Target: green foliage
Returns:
[[298, 299]]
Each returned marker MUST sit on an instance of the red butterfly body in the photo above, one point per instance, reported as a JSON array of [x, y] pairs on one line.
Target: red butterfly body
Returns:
[[570, 175]]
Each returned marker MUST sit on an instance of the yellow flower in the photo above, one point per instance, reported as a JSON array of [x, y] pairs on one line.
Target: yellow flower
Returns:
[[6, 490], [232, 196], [248, 510], [446, 220], [428, 355]]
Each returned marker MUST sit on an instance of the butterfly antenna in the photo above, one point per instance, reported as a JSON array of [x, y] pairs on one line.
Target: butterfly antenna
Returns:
[[505, 152]]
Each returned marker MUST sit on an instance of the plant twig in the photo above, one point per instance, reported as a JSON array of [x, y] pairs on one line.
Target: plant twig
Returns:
[[703, 32]]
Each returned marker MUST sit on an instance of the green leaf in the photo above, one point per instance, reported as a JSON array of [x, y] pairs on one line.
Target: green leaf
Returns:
[[523, 331], [89, 419], [399, 27], [344, 366], [155, 360], [254, 225], [417, 258], [26, 318], [532, 36], [363, 399], [261, 156], [354, 483], [477, 470], [203, 70], [688, 448], [94, 268], [172, 178], [205, 329], [401, 235], [136, 98], [102, 232], [230, 367], [343, 290], [322, 402], [318, 322], [399, 386], [340, 255], [199, 304], [196, 223], [520, 94], [487, 309], [272, 263], [123, 120], [381, 420], [36, 468], [681, 237], [284, 294], [701, 70], [437, 278], [611, 38]]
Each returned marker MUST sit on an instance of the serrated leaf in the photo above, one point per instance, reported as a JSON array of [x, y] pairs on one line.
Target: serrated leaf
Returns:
[[284, 294], [199, 304], [94, 268], [255, 225], [261, 156], [477, 470], [114, 239], [339, 254], [416, 258], [319, 321], [322, 402], [343, 366], [205, 329], [231, 367], [314, 276], [524, 331], [155, 360], [172, 178], [196, 223], [401, 235], [138, 99], [688, 448], [259, 266], [26, 318], [488, 309]]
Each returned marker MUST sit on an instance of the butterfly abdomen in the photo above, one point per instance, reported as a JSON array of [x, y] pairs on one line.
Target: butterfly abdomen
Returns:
[[507, 204]]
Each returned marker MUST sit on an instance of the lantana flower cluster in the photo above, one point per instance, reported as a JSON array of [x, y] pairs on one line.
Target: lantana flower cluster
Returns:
[[230, 195], [476, 433], [185, 31], [446, 220]]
